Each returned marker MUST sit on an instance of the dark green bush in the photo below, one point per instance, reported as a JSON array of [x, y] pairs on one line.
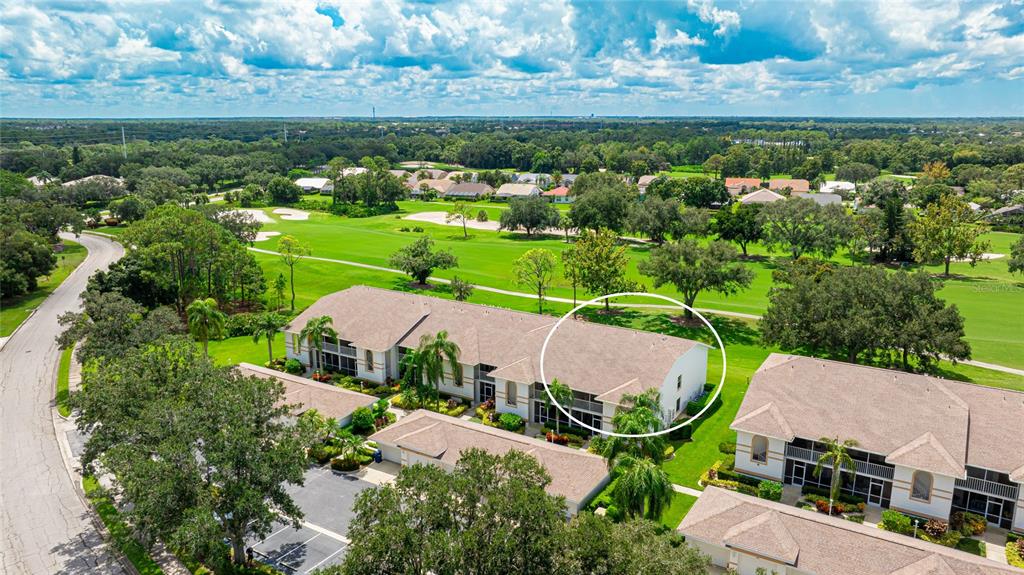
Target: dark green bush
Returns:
[[294, 366], [510, 421], [481, 216], [362, 420], [346, 464], [240, 324], [727, 447], [896, 522], [770, 490]]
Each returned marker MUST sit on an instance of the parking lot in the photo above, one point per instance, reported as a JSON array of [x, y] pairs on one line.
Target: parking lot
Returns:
[[326, 499]]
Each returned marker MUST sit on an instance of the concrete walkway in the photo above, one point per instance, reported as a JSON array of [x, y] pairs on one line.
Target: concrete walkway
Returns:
[[685, 490]]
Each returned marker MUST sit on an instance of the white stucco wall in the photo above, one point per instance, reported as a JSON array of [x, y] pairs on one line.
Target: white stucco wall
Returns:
[[941, 498], [693, 366], [363, 368], [291, 351], [522, 399], [465, 391], [774, 468], [1018, 515]]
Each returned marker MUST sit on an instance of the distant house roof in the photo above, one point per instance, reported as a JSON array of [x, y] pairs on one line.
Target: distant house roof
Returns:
[[468, 190], [575, 473], [509, 340], [313, 183], [794, 185], [328, 400], [517, 190], [1008, 210], [435, 174], [355, 171], [741, 182], [822, 199], [924, 422], [95, 178], [761, 196], [569, 179], [560, 191], [38, 182], [832, 186], [531, 178], [816, 543], [401, 174], [644, 181], [439, 186]]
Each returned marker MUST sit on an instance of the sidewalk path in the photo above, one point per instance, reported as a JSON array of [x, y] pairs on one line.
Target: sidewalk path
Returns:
[[510, 292]]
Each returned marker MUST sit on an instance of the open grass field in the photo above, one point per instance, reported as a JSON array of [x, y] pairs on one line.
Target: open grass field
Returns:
[[989, 298], [15, 310]]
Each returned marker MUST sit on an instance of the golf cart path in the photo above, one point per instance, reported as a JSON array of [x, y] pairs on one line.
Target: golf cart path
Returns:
[[722, 312]]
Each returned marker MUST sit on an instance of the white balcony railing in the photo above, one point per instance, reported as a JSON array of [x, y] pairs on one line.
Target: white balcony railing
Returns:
[[863, 467], [989, 487]]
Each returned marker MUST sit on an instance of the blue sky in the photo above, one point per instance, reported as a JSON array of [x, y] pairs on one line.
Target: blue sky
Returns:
[[68, 58]]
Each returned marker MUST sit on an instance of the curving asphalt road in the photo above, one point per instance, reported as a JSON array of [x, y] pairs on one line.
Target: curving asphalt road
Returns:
[[44, 524]]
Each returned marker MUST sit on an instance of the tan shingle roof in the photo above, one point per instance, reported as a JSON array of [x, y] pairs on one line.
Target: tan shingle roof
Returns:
[[739, 182], [916, 420], [574, 473], [761, 196], [328, 400], [817, 543], [578, 354], [518, 190], [793, 185]]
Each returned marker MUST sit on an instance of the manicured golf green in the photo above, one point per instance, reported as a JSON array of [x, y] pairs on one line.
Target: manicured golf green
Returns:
[[15, 310], [991, 323]]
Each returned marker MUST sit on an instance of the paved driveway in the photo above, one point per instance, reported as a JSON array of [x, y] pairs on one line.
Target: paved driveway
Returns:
[[326, 500]]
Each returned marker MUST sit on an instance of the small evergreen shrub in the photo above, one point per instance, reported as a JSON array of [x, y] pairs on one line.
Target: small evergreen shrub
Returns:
[[293, 366], [770, 490], [510, 421], [362, 420]]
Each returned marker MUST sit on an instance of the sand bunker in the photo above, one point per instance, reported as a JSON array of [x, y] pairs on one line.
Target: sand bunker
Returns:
[[264, 236], [260, 215], [290, 214], [439, 218]]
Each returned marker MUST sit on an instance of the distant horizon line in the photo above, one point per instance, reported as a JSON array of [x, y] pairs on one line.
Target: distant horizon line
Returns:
[[512, 117]]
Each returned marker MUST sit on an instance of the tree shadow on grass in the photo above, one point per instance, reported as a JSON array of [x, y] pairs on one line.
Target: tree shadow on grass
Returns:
[[731, 330]]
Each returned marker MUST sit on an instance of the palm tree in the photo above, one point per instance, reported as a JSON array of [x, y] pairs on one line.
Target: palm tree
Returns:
[[267, 326], [205, 321], [350, 446], [317, 328], [641, 488], [637, 415], [837, 455], [563, 397], [435, 350], [413, 386]]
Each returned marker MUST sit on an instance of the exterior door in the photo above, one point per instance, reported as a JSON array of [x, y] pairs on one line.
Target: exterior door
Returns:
[[875, 491], [994, 511], [799, 471], [486, 391]]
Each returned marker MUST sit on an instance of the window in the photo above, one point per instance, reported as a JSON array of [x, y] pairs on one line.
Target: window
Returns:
[[368, 355], [759, 449], [679, 381], [296, 347], [921, 486], [678, 403], [510, 393]]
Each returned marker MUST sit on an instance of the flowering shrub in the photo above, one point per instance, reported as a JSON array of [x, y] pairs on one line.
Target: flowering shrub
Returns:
[[556, 438], [936, 527]]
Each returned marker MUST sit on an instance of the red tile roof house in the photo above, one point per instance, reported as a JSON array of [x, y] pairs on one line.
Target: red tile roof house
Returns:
[[500, 353], [779, 184], [926, 446], [435, 439], [746, 534], [559, 195], [740, 186]]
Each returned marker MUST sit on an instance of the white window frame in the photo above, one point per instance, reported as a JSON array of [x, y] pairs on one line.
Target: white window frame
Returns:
[[913, 486], [754, 456], [510, 398]]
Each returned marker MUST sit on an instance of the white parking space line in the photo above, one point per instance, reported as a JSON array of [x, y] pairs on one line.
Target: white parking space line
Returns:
[[271, 536], [280, 558], [325, 560]]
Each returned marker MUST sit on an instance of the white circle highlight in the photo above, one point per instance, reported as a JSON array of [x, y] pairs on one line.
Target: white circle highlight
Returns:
[[547, 389]]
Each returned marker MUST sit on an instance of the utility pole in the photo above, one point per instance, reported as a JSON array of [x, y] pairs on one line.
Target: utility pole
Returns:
[[124, 145]]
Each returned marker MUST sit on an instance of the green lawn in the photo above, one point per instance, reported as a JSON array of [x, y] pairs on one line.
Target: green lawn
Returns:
[[119, 531], [63, 371], [681, 504], [234, 350], [485, 259], [15, 310]]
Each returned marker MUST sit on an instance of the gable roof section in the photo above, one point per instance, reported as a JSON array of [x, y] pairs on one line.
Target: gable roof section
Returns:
[[821, 544], [586, 356], [743, 182], [796, 185], [916, 420], [926, 453], [761, 196], [518, 190], [765, 535], [328, 400], [574, 473]]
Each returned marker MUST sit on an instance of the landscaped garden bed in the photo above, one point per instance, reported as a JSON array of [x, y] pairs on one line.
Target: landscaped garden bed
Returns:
[[490, 417], [956, 534], [1015, 550], [451, 406]]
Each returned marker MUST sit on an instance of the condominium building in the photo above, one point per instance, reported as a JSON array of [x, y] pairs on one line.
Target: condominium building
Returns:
[[500, 354], [925, 446]]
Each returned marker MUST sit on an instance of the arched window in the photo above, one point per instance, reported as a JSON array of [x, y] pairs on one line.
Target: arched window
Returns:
[[759, 449], [921, 486], [368, 355], [510, 393]]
